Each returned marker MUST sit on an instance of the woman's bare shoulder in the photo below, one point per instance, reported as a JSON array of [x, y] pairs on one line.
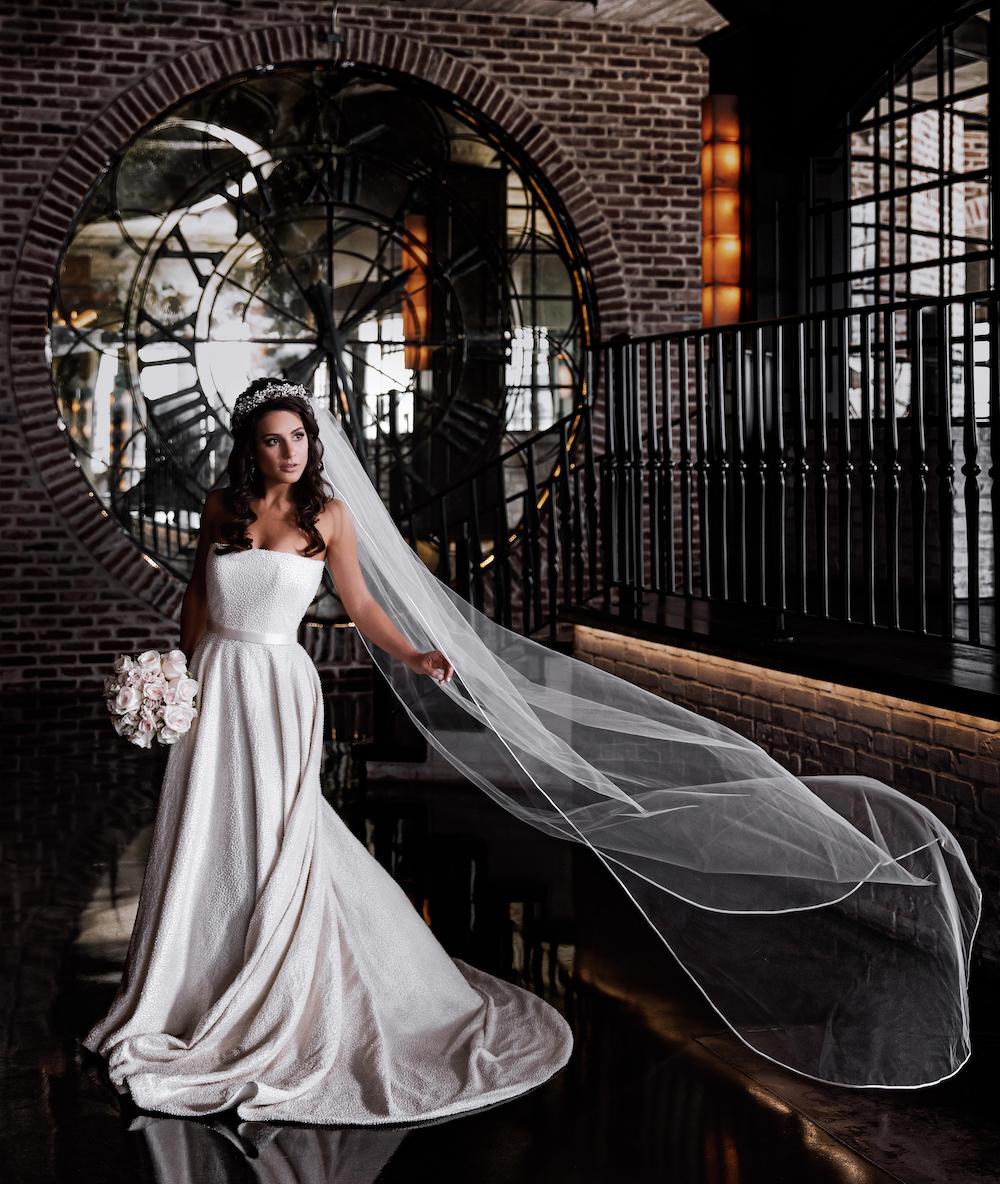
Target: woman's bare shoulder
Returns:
[[331, 518], [213, 513]]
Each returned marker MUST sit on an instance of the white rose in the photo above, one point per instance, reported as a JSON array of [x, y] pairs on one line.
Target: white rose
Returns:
[[133, 678], [149, 660], [187, 688], [123, 663], [169, 736], [178, 717], [142, 739], [170, 691], [154, 691], [174, 664], [127, 699]]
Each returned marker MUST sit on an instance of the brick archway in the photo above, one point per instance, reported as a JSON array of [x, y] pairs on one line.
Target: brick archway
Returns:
[[127, 115]]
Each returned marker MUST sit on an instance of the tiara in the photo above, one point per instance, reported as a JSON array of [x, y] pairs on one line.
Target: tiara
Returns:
[[279, 388]]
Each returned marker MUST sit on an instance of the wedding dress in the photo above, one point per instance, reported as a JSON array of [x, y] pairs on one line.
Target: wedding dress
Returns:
[[829, 920], [274, 966]]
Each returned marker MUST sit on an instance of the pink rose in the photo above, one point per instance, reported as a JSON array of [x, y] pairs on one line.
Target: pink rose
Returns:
[[174, 664], [169, 736], [149, 660], [123, 663], [187, 688], [128, 699], [178, 717]]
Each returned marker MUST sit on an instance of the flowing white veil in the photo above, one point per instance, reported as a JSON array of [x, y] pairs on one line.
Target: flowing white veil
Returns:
[[828, 920]]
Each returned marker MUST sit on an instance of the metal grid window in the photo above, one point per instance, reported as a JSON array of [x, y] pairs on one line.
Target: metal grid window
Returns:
[[901, 210]]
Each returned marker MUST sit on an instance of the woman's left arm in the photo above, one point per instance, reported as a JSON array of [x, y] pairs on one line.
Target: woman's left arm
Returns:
[[367, 614]]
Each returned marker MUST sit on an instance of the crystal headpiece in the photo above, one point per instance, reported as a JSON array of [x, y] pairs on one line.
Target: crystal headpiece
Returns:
[[279, 388]]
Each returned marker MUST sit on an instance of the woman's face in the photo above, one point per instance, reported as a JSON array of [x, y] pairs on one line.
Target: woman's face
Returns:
[[282, 447]]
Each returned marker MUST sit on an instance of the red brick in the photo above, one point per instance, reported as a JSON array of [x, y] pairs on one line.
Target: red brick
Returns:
[[962, 739]]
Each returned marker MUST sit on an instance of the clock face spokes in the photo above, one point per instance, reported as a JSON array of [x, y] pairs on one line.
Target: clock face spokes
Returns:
[[334, 225]]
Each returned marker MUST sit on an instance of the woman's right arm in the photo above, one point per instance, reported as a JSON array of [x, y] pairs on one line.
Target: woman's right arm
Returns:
[[194, 606]]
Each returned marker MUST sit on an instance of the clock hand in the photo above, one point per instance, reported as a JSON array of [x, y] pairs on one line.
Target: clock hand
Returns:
[[320, 298], [389, 288]]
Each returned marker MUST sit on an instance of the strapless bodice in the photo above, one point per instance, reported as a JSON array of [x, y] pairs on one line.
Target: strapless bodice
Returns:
[[261, 591]]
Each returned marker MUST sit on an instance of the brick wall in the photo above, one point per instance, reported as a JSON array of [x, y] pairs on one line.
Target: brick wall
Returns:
[[610, 113], [947, 761]]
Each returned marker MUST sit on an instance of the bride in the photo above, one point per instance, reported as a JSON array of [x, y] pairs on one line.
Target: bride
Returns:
[[275, 967]]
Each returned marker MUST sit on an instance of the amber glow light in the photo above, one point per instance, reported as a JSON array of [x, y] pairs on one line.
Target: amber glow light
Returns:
[[722, 241], [416, 294]]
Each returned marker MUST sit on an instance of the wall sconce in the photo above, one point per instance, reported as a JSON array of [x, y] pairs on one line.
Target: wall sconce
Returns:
[[722, 170], [416, 293]]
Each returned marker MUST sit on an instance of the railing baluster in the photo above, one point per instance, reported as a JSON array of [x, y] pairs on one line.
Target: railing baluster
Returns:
[[670, 467], [822, 471], [779, 466], [845, 467], [637, 574], [578, 547], [590, 481], [701, 465], [475, 546], [892, 471], [533, 544], [610, 517], [552, 560], [684, 434], [760, 463], [502, 574], [970, 466], [739, 468], [919, 475], [567, 557], [623, 404], [444, 559], [945, 475], [869, 468], [654, 469], [463, 583], [721, 459]]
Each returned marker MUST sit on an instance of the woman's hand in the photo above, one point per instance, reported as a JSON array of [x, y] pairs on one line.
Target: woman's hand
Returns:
[[432, 662]]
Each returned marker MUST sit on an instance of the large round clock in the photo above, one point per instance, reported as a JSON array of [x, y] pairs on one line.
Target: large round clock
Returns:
[[359, 233]]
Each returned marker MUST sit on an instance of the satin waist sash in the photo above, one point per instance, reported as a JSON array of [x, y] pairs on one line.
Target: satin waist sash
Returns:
[[251, 635]]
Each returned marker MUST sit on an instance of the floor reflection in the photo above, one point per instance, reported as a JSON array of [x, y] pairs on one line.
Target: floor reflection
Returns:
[[657, 1090], [181, 1151]]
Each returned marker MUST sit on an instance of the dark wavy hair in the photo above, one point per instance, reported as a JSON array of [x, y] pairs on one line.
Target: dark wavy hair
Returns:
[[310, 492]]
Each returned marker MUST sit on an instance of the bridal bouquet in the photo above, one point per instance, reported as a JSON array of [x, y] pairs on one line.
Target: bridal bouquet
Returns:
[[151, 697]]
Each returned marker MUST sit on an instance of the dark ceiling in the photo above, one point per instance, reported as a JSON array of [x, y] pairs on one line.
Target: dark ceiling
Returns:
[[801, 66]]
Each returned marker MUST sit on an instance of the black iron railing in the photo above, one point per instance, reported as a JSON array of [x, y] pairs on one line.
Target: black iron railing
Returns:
[[519, 538], [838, 465]]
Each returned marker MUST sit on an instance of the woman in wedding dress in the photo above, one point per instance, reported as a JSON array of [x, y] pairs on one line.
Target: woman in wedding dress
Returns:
[[828, 920], [274, 966]]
